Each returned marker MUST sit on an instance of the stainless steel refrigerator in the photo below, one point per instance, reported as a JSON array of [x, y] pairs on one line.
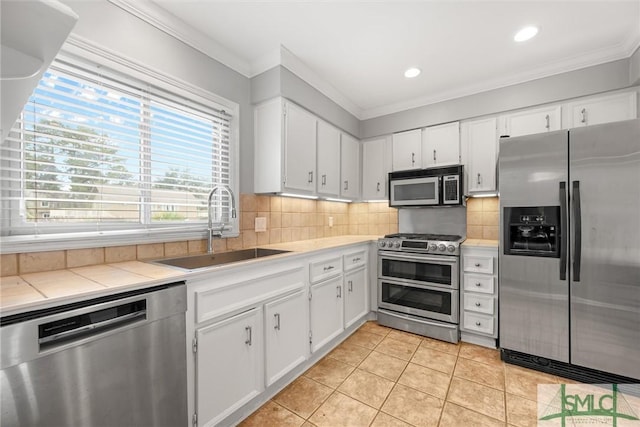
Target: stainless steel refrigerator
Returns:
[[570, 250]]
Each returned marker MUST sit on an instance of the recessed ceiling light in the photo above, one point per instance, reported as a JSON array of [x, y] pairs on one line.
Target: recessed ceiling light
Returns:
[[412, 72], [525, 34]]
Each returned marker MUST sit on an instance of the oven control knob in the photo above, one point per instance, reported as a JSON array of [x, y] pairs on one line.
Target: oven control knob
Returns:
[[433, 247], [442, 247], [383, 244], [397, 245], [451, 248]]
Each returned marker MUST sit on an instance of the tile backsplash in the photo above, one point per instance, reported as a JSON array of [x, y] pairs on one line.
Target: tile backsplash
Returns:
[[483, 218], [288, 219]]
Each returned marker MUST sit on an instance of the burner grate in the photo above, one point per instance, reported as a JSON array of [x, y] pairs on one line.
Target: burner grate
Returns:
[[422, 236]]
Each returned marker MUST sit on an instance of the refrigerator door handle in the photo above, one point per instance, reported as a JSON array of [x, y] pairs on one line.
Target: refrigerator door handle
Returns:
[[577, 220], [563, 230]]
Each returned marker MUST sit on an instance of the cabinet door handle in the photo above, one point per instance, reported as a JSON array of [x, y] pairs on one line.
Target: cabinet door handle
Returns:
[[324, 179], [378, 187], [350, 282], [548, 125], [434, 155], [339, 290], [477, 304], [310, 177], [584, 116], [478, 179], [413, 159], [346, 185], [276, 317], [249, 340]]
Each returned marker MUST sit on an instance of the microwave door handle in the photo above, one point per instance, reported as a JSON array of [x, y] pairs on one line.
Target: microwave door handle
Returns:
[[577, 220], [563, 230]]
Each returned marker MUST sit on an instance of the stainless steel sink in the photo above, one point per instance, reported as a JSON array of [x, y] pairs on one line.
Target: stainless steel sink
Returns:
[[210, 260]]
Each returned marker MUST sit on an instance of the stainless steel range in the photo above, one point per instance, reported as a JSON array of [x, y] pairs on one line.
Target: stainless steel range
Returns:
[[418, 284]]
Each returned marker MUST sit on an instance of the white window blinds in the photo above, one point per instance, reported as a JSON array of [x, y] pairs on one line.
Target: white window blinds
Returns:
[[93, 150]]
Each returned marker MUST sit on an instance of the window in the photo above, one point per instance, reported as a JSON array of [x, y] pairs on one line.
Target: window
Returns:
[[103, 153]]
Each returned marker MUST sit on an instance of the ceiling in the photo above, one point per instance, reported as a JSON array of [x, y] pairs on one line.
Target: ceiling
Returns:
[[356, 52]]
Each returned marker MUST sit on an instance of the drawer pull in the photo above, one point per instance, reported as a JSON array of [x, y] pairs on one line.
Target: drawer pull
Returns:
[[478, 323], [477, 304], [477, 264], [331, 267], [356, 259], [478, 284], [277, 319]]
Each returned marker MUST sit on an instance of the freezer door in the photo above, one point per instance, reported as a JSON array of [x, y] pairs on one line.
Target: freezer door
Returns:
[[605, 247], [534, 306]]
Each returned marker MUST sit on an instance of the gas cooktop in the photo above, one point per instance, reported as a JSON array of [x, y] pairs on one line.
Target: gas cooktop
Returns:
[[435, 244]]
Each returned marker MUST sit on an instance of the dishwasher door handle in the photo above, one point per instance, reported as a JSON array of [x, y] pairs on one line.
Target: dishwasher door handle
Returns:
[[83, 331]]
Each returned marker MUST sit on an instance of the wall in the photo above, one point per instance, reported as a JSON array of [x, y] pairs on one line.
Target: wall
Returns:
[[279, 81], [634, 68], [600, 78], [110, 27], [288, 220]]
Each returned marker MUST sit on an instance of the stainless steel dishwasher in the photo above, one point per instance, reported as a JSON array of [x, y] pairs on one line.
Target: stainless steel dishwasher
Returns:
[[112, 361]]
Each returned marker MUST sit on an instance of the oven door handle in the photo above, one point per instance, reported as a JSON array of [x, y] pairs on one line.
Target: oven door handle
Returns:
[[414, 319], [441, 259]]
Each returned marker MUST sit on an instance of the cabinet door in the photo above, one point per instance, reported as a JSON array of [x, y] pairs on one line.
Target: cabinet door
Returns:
[[441, 145], [480, 146], [355, 301], [328, 159], [287, 335], [604, 109], [326, 312], [229, 365], [350, 167], [300, 149], [407, 149], [374, 170], [527, 122]]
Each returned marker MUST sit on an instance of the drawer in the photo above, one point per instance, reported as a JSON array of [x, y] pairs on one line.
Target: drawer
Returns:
[[325, 269], [478, 303], [478, 264], [478, 283], [354, 260], [479, 323]]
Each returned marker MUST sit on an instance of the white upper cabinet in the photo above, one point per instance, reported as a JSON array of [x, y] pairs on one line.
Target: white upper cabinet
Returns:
[[328, 160], [299, 149], [407, 150], [375, 169], [285, 148], [531, 121], [350, 167], [441, 145], [602, 109], [479, 154]]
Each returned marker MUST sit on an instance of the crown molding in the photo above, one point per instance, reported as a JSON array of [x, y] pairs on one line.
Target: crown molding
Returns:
[[620, 51], [164, 21]]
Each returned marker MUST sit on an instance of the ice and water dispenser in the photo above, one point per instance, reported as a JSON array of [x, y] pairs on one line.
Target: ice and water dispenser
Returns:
[[532, 231]]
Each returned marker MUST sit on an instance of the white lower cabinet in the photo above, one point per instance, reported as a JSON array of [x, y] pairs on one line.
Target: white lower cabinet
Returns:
[[286, 335], [355, 296], [229, 365], [327, 312], [479, 314]]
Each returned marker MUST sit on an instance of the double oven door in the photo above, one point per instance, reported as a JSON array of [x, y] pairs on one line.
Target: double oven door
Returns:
[[419, 284]]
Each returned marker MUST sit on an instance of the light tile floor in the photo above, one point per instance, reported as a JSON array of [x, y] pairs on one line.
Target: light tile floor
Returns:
[[384, 377]]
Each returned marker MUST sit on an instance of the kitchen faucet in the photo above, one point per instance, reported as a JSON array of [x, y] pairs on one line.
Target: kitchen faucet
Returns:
[[210, 229]]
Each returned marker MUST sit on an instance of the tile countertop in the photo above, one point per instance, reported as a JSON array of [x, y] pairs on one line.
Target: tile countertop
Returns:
[[481, 242], [33, 291]]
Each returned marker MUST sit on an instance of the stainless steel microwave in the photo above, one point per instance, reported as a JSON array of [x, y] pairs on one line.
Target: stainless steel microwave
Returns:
[[440, 186]]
